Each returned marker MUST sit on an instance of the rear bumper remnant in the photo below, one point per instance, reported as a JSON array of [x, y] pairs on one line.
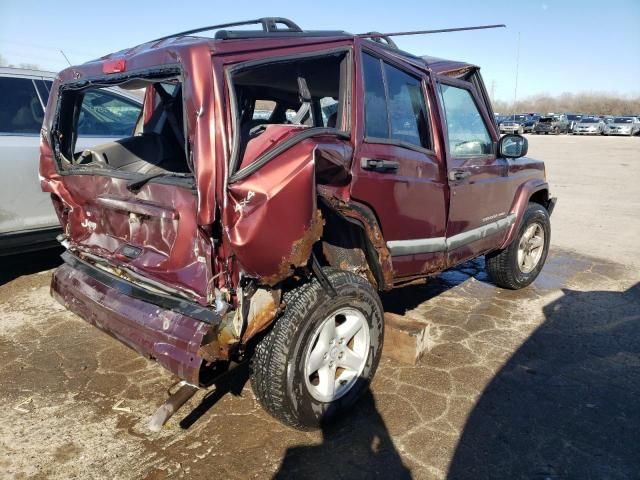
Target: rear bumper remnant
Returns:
[[170, 337]]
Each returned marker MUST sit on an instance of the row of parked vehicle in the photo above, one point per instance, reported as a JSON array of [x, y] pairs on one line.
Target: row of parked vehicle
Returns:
[[576, 124]]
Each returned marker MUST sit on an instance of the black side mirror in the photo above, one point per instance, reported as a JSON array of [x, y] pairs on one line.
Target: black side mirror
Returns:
[[513, 146]]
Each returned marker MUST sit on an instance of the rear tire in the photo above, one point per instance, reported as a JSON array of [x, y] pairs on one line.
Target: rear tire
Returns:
[[285, 376], [511, 268]]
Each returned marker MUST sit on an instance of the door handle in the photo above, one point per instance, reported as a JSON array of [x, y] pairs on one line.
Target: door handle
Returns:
[[378, 165], [457, 175]]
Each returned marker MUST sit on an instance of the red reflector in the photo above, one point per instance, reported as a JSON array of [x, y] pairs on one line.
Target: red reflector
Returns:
[[114, 66]]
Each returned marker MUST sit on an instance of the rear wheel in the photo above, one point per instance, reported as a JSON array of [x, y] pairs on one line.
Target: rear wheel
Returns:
[[520, 263], [322, 353]]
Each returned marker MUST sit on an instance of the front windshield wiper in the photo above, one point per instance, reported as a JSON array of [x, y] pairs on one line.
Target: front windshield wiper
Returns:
[[135, 186]]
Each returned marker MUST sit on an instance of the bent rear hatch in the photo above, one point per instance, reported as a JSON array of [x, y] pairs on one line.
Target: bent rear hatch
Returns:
[[129, 205]]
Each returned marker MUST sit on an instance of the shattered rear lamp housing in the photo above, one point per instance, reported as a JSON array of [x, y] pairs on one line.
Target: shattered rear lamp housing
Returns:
[[114, 66]]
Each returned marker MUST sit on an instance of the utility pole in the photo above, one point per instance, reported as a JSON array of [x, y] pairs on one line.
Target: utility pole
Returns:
[[515, 91]]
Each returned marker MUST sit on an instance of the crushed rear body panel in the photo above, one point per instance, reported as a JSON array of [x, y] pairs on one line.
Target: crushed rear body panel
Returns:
[[170, 338]]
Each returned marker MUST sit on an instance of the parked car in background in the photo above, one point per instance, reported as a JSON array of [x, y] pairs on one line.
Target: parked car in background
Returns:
[[573, 118], [511, 126], [499, 119], [555, 124], [28, 220], [622, 126], [530, 122], [515, 123], [589, 126]]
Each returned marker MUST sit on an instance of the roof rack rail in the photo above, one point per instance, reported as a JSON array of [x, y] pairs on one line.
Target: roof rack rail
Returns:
[[269, 25]]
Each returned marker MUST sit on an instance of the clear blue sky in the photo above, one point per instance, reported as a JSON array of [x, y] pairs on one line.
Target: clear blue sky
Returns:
[[568, 46]]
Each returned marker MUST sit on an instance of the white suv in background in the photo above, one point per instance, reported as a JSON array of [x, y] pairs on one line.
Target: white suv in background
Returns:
[[27, 219]]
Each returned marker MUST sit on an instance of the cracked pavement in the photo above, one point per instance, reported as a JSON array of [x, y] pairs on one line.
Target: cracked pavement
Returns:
[[537, 383]]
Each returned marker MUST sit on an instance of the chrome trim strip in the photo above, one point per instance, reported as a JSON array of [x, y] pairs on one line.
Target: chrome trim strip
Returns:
[[420, 245], [469, 236], [439, 244]]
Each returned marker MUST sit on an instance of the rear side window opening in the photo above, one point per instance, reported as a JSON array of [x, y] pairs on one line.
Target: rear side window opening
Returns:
[[98, 129], [311, 92]]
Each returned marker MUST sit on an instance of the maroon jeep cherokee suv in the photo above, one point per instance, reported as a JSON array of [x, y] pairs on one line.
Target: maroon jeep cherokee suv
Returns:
[[275, 182]]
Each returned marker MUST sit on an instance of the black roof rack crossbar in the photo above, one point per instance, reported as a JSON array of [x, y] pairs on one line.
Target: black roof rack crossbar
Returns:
[[269, 25], [379, 37]]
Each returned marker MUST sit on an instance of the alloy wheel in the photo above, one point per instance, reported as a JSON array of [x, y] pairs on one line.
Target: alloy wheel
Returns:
[[337, 355], [530, 248]]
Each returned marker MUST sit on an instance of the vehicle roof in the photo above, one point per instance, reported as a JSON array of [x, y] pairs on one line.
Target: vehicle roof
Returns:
[[25, 72], [222, 46]]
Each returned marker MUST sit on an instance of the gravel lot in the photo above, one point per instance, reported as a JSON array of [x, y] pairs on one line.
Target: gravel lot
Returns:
[[539, 383]]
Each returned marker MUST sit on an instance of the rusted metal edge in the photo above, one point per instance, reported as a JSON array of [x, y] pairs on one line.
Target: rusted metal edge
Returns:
[[300, 251], [372, 230]]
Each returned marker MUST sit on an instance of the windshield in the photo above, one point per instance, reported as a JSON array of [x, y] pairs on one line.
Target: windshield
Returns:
[[589, 120], [574, 117], [623, 120], [546, 119]]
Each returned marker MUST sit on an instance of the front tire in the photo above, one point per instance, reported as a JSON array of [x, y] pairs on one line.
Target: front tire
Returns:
[[322, 353], [519, 264]]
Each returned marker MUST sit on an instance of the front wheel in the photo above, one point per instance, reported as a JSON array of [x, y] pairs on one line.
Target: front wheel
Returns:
[[520, 263], [322, 353]]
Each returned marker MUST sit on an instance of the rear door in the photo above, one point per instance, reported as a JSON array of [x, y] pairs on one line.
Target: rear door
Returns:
[[147, 233], [481, 193], [396, 170], [23, 206]]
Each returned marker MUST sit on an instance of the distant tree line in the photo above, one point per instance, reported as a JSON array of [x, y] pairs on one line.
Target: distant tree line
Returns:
[[595, 103]]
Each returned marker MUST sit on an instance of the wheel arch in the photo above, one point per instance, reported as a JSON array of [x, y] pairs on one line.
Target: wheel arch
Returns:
[[536, 191], [352, 241]]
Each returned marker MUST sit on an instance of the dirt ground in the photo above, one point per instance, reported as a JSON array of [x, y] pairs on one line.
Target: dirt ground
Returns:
[[538, 383]]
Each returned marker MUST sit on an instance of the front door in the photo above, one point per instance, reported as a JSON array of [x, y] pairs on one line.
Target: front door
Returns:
[[396, 170], [480, 196]]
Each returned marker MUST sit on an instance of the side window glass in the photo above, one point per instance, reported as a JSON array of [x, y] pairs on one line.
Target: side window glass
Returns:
[[375, 106], [43, 87], [20, 109], [263, 109], [407, 108], [468, 135], [105, 114]]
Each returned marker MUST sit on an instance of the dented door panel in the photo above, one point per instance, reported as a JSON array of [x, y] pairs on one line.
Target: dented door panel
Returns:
[[271, 218], [158, 225]]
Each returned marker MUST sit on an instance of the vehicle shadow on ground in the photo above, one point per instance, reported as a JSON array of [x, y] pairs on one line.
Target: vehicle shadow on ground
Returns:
[[14, 266], [232, 382], [566, 403], [356, 446], [403, 299]]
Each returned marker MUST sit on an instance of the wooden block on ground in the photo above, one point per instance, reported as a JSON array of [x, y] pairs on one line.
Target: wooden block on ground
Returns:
[[405, 338]]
